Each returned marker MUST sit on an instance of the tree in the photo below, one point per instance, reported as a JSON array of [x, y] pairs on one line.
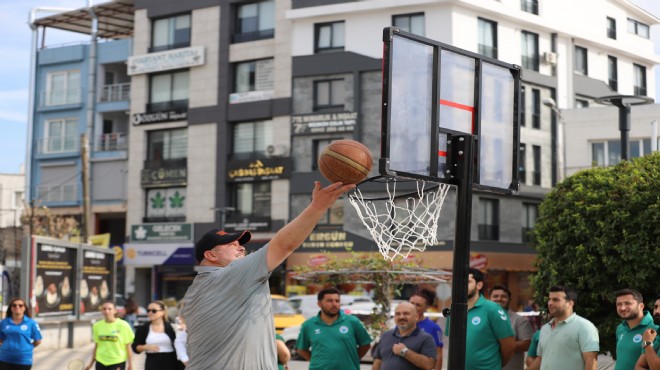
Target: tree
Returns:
[[598, 232]]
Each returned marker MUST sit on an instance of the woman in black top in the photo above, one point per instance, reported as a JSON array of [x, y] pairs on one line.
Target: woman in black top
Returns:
[[156, 339]]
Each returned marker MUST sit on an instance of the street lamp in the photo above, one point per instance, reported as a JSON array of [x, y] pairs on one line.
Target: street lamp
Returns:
[[223, 214], [561, 138], [624, 102]]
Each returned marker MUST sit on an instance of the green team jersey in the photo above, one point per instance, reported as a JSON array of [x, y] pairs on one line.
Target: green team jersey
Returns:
[[487, 323], [111, 339], [333, 347], [629, 342]]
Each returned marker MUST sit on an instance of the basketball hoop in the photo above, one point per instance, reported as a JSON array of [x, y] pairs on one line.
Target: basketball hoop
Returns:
[[400, 224]]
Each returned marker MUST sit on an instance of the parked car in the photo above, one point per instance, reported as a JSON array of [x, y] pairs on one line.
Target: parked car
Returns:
[[307, 305], [284, 314]]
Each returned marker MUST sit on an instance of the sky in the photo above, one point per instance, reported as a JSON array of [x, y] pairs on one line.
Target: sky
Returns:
[[15, 44]]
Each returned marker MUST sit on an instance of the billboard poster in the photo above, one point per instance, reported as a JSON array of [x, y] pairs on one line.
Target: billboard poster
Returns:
[[55, 278], [96, 286]]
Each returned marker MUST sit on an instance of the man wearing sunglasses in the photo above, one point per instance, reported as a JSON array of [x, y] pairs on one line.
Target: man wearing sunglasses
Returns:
[[227, 309]]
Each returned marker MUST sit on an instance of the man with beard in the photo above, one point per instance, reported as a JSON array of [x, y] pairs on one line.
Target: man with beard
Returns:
[[630, 307], [422, 299], [650, 359], [489, 339], [406, 347], [332, 340], [521, 328], [568, 341]]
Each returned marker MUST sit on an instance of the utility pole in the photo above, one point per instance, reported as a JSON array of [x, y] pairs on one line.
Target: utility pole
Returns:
[[87, 209]]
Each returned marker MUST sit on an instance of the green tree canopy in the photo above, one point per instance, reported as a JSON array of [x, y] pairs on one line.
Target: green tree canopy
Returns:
[[599, 231]]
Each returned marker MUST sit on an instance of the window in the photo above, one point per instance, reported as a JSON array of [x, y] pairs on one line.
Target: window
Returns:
[[530, 6], [640, 79], [608, 153], [522, 163], [487, 38], [329, 95], [168, 91], [489, 224], [164, 145], [250, 139], [255, 21], [536, 108], [168, 204], [536, 175], [329, 37], [170, 33], [581, 103], [413, 23], [61, 136], [256, 75], [530, 215], [612, 73], [523, 105], [334, 215], [62, 87], [611, 28], [253, 199], [638, 28], [18, 199], [581, 60], [530, 50]]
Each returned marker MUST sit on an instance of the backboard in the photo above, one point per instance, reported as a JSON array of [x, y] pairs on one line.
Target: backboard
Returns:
[[432, 90]]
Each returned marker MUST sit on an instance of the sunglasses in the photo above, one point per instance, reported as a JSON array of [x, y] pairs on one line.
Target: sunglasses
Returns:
[[153, 311], [17, 305]]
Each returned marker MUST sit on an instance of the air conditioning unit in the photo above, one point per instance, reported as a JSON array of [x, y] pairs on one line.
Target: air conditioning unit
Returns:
[[550, 58], [277, 150]]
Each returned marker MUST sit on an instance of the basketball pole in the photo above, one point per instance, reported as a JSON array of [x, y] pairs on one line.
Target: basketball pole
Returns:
[[462, 152]]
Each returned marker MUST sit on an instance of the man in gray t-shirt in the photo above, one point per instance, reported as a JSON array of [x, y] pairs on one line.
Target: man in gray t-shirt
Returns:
[[501, 295], [227, 309]]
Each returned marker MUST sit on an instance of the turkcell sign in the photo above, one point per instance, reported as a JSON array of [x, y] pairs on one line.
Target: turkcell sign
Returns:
[[157, 117]]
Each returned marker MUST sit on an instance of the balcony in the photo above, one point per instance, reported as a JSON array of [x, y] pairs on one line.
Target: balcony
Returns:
[[489, 232], [57, 193], [115, 92], [112, 142], [58, 144], [53, 98]]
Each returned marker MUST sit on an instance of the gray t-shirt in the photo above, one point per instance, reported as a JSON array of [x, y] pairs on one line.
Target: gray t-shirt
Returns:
[[523, 330], [229, 316], [417, 341]]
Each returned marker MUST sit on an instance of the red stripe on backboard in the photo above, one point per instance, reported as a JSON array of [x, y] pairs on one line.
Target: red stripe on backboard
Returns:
[[459, 106], [442, 153]]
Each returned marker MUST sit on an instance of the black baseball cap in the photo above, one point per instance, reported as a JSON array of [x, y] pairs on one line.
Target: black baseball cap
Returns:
[[217, 237]]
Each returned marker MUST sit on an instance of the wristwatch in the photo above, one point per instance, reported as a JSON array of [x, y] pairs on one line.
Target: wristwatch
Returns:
[[403, 352], [646, 344]]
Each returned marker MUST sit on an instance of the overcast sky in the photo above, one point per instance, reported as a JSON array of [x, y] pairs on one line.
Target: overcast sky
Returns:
[[15, 40]]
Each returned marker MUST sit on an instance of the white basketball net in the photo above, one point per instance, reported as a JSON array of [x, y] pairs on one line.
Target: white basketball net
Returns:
[[400, 225]]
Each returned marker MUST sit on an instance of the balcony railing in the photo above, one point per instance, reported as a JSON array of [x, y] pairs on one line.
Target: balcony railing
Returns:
[[116, 92], [112, 142], [57, 193], [530, 62], [59, 144], [51, 98], [611, 33], [489, 232], [640, 90]]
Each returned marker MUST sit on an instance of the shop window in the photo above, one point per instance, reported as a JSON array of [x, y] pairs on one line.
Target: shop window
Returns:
[[253, 199], [250, 139], [255, 21], [329, 95], [168, 91], [170, 33], [62, 88], [489, 224], [413, 23], [329, 37]]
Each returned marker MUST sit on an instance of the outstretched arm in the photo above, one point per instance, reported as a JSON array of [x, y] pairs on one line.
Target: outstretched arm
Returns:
[[293, 234]]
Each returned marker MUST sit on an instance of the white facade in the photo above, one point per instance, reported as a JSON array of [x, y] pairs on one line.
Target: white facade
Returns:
[[12, 190]]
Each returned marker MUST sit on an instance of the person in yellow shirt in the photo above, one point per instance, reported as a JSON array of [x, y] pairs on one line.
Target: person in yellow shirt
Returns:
[[113, 338]]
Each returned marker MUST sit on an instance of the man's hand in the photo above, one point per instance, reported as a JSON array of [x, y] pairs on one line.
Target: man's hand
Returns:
[[649, 335], [397, 348]]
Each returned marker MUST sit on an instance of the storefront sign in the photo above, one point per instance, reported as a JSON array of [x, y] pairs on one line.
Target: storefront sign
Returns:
[[158, 233], [54, 283], [337, 240], [248, 96], [158, 117], [159, 254], [478, 261], [323, 123], [259, 170], [252, 224], [96, 285], [166, 60], [175, 174], [165, 203]]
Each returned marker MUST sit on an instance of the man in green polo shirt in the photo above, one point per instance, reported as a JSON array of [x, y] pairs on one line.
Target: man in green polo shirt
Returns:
[[490, 339], [630, 307], [650, 359], [332, 340]]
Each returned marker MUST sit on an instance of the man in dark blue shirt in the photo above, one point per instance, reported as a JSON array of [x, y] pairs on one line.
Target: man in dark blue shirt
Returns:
[[422, 300]]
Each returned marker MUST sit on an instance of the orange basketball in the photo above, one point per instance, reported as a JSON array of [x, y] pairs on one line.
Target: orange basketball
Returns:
[[346, 161]]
